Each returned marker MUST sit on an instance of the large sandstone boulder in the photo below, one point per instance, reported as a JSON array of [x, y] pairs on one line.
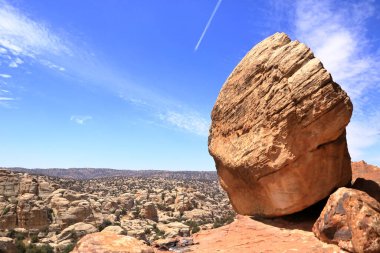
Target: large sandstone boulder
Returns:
[[278, 130], [110, 243], [350, 219]]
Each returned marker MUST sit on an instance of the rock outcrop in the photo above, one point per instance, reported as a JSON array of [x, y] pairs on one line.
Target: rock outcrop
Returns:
[[350, 219], [7, 245], [364, 170], [110, 243], [278, 130], [149, 211], [248, 235]]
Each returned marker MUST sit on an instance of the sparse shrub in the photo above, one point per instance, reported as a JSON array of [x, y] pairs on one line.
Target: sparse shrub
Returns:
[[5, 210], [21, 248], [136, 212], [218, 222], [32, 248], [193, 226], [147, 231], [157, 231], [104, 224], [50, 214], [69, 248], [34, 239], [195, 229]]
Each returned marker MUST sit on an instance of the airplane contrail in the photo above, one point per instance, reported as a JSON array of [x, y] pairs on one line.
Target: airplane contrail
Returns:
[[208, 24]]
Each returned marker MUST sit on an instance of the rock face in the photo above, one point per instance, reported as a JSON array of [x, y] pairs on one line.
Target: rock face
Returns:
[[110, 243], [278, 130], [366, 171], [7, 245], [350, 219], [149, 211], [248, 235]]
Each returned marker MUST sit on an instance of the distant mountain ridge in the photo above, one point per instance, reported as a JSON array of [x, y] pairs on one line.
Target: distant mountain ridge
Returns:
[[94, 173]]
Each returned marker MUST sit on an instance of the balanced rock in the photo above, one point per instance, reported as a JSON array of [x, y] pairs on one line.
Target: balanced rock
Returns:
[[350, 219], [278, 130]]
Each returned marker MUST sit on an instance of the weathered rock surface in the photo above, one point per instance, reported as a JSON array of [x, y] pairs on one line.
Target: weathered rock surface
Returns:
[[115, 230], [364, 170], [278, 130], [149, 211], [250, 236], [110, 243], [75, 231], [7, 245], [350, 219]]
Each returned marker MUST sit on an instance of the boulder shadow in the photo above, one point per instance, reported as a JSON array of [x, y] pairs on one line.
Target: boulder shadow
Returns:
[[302, 220], [368, 186]]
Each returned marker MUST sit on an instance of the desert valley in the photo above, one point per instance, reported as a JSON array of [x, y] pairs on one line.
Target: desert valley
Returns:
[[284, 180]]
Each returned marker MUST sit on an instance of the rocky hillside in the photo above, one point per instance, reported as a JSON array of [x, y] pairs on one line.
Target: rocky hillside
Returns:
[[56, 212], [96, 173]]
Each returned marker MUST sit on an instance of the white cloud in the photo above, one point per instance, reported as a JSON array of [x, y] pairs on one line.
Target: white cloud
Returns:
[[5, 76], [6, 99], [337, 36], [22, 38], [22, 35], [16, 62], [190, 122], [80, 119], [336, 32], [363, 135]]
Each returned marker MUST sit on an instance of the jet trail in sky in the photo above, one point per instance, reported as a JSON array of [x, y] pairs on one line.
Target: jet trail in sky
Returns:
[[208, 24]]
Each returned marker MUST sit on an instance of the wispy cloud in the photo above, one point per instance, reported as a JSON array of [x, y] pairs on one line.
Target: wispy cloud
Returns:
[[193, 123], [208, 24], [6, 99], [24, 40], [5, 76], [336, 32], [21, 37], [80, 119]]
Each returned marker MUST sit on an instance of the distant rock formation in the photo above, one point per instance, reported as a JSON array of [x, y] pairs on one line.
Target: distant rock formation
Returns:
[[366, 171], [278, 130]]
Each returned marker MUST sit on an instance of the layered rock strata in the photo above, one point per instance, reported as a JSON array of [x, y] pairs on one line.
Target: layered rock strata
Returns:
[[278, 130]]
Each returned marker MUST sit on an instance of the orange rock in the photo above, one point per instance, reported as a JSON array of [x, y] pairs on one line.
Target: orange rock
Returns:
[[364, 170], [278, 130], [250, 236], [350, 219], [105, 242]]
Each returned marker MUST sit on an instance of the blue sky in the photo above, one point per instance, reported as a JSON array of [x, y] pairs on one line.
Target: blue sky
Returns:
[[131, 84]]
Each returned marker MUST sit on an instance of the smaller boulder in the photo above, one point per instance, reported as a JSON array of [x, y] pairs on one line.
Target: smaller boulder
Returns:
[[110, 243], [149, 211], [350, 219], [76, 231], [117, 230], [7, 245]]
